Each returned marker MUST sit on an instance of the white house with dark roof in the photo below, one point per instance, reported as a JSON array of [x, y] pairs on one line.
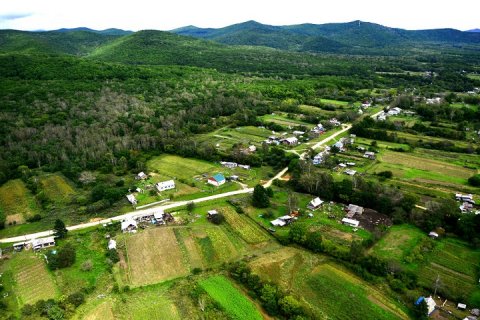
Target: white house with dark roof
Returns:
[[42, 243], [165, 185], [131, 198]]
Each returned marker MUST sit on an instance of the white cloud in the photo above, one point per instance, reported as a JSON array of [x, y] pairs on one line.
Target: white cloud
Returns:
[[147, 14]]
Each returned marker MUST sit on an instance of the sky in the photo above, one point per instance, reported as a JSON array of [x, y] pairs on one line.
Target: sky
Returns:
[[166, 15]]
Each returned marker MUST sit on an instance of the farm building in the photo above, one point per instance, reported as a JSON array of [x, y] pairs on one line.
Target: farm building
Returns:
[[112, 244], [143, 217], [244, 166], [466, 207], [229, 165], [41, 243], [462, 306], [464, 197], [217, 180], [334, 122], [315, 204], [129, 225], [350, 222], [298, 133], [282, 221], [291, 141], [165, 185], [141, 176], [131, 198], [320, 157], [394, 111], [350, 164]]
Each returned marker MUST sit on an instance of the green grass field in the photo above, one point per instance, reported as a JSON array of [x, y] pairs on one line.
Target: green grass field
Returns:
[[456, 265], [56, 188], [324, 287], [283, 120], [180, 168], [236, 305], [333, 289], [32, 280], [17, 201], [334, 102], [398, 242]]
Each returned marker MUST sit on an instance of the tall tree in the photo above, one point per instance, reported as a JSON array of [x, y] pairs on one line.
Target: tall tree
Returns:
[[260, 198], [59, 229]]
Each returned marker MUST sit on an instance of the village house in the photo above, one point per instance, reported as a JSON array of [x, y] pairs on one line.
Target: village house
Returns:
[[342, 165], [42, 243], [19, 246], [350, 164], [465, 198], [318, 129], [291, 141], [129, 225], [394, 111], [433, 235], [466, 207], [165, 185], [366, 104], [131, 198], [217, 180], [350, 172], [141, 176], [320, 157], [229, 165], [369, 155], [244, 166], [436, 100], [431, 304], [159, 217], [298, 133], [252, 148], [315, 204], [351, 222], [382, 116], [334, 122]]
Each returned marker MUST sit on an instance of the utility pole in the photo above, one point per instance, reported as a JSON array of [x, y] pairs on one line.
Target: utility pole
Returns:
[[436, 285]]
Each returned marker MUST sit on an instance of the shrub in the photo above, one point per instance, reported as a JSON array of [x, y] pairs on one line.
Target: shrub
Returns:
[[217, 218], [87, 265], [474, 180]]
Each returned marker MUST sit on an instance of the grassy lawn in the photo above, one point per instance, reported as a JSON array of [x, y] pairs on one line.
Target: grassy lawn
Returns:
[[236, 305], [398, 242], [90, 246], [32, 280], [283, 120], [17, 201], [334, 102], [56, 188]]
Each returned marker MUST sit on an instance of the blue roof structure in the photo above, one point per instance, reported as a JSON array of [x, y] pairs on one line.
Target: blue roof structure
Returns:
[[219, 177], [419, 300]]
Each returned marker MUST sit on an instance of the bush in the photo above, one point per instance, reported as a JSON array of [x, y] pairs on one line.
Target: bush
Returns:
[[474, 180], [63, 258], [385, 174], [217, 218], [87, 265], [112, 254], [76, 299]]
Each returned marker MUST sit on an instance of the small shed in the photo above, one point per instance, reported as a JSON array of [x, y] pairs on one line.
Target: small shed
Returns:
[[217, 180], [112, 244], [433, 235], [141, 176], [351, 222], [211, 213], [461, 306], [41, 243], [315, 204]]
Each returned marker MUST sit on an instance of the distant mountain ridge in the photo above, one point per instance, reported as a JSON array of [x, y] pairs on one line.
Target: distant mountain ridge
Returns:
[[473, 30], [110, 31], [326, 37]]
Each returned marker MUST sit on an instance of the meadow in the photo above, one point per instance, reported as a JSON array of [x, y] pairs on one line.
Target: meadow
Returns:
[[56, 188], [246, 229], [325, 287], [17, 202], [235, 304]]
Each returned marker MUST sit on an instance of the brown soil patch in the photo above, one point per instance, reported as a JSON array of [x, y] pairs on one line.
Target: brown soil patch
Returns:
[[15, 219], [370, 219]]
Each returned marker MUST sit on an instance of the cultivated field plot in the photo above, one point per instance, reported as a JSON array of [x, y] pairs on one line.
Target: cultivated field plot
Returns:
[[247, 229], [325, 287], [56, 188], [230, 298], [398, 242], [32, 280], [283, 120], [151, 302], [456, 265], [16, 199], [411, 167], [153, 256], [102, 311]]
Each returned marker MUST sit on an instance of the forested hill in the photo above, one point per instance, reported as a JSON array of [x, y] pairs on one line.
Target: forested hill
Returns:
[[333, 37]]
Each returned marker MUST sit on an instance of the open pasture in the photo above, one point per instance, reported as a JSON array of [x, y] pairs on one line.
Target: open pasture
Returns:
[[56, 188], [32, 280], [235, 304], [178, 167], [153, 256], [16, 199], [398, 242]]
